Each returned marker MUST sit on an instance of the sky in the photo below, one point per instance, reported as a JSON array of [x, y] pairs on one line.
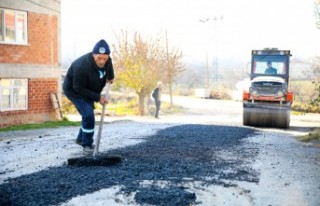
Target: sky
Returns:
[[240, 25]]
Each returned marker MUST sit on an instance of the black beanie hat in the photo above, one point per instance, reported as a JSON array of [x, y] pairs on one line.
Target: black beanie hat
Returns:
[[101, 47]]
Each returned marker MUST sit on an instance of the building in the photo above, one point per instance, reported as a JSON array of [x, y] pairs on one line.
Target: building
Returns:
[[29, 60]]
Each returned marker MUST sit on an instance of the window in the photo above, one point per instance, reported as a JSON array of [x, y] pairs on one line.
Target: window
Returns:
[[1, 25], [13, 94], [277, 62], [13, 27]]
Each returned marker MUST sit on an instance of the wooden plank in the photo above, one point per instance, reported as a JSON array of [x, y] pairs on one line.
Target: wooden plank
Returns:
[[56, 105]]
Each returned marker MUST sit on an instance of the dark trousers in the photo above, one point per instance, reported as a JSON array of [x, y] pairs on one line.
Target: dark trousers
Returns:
[[158, 104], [85, 135]]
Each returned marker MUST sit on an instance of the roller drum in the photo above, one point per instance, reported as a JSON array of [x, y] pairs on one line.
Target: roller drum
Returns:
[[266, 117]]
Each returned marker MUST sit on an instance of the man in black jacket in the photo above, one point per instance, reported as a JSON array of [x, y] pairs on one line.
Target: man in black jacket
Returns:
[[83, 84], [156, 94]]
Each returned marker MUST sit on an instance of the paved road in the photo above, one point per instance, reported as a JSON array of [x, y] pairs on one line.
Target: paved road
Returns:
[[230, 112], [201, 157]]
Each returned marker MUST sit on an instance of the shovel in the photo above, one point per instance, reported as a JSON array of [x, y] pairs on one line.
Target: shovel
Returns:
[[96, 159]]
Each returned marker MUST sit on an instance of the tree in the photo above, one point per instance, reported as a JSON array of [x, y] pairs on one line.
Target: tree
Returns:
[[317, 13], [316, 63], [143, 62], [138, 64], [173, 68], [315, 66]]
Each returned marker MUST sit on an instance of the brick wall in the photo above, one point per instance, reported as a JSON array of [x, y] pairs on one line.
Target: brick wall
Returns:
[[38, 61], [39, 94], [42, 45], [40, 108]]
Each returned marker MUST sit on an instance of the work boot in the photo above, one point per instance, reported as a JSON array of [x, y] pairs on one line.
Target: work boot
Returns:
[[87, 150], [78, 142]]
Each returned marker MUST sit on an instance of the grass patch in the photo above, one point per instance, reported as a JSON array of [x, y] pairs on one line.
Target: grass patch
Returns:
[[297, 113], [50, 124], [312, 136], [121, 108], [166, 108]]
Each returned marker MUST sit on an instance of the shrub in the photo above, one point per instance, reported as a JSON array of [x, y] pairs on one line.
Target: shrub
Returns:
[[301, 107], [67, 106], [220, 93]]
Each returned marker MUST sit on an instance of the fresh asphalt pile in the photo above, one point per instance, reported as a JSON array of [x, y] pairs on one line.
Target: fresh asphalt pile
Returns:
[[177, 155]]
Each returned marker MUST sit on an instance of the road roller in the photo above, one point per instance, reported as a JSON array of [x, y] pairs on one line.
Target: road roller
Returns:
[[267, 102]]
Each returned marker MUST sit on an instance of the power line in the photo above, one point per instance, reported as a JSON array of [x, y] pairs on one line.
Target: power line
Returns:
[[43, 6]]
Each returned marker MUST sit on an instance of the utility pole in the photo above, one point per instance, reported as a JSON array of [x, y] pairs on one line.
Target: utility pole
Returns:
[[169, 70], [216, 57], [207, 70]]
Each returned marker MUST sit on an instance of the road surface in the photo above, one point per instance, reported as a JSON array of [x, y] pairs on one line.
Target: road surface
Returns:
[[203, 156]]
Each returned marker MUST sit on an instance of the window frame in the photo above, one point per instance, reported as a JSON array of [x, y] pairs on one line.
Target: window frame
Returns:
[[11, 96], [25, 29], [275, 59]]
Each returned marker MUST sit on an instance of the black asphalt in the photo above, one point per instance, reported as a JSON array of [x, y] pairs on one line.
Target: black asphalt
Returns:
[[177, 154]]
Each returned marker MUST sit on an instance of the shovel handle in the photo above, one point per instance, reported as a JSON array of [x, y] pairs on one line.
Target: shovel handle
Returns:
[[96, 148]]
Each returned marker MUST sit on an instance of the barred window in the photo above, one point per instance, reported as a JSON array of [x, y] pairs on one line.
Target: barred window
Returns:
[[13, 27], [13, 94]]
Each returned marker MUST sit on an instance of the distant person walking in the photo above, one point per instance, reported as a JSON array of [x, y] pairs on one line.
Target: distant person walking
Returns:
[[156, 94], [83, 84]]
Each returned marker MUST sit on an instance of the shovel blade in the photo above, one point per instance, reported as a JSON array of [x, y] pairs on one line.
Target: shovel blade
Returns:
[[105, 160]]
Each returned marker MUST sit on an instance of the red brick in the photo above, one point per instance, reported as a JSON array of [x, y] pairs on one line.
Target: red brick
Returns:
[[42, 30]]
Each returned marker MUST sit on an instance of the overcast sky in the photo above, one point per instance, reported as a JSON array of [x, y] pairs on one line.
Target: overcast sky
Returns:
[[245, 25]]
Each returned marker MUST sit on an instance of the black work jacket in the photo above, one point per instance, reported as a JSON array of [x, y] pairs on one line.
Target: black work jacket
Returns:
[[156, 94], [83, 78]]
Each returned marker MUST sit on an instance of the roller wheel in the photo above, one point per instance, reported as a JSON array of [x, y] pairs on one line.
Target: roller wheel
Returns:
[[283, 119], [246, 117], [266, 117]]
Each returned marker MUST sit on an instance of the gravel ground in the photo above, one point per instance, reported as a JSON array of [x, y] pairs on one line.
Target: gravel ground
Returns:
[[201, 157], [176, 155]]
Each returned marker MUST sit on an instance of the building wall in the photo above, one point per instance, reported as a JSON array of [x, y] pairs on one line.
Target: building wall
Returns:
[[38, 61], [42, 80], [39, 105], [42, 45]]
